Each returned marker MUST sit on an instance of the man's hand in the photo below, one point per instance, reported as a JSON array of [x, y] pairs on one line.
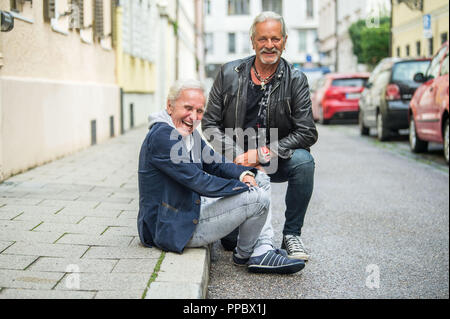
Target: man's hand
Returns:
[[249, 180], [248, 159]]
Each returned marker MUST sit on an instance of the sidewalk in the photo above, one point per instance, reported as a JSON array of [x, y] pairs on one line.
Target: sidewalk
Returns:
[[68, 230]]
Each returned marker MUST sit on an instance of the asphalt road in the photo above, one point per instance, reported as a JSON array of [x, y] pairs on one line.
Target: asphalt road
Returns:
[[377, 226]]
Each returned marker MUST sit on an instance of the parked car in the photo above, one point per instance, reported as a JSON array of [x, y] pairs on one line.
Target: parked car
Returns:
[[385, 100], [336, 96], [428, 113]]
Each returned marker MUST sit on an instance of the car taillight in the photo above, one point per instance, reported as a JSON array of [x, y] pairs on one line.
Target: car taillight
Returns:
[[334, 94], [392, 92]]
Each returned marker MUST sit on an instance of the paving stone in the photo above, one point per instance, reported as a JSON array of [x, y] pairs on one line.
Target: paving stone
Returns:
[[30, 236], [14, 262], [8, 215], [120, 206], [49, 250], [68, 203], [111, 213], [111, 281], [50, 218], [174, 290], [131, 214], [44, 294], [121, 231], [20, 201], [119, 252], [5, 244], [71, 228], [193, 260], [18, 225], [89, 220], [31, 209], [73, 265], [102, 240], [127, 294], [144, 266], [29, 279]]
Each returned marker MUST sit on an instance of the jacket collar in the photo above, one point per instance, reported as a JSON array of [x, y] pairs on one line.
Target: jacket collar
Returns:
[[248, 62]]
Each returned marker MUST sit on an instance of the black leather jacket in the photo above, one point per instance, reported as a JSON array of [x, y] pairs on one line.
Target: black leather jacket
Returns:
[[289, 108]]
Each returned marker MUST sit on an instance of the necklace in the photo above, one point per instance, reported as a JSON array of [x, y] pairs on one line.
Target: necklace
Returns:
[[260, 78]]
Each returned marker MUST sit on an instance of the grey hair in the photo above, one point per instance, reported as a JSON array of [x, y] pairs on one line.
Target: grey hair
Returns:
[[180, 85], [268, 15]]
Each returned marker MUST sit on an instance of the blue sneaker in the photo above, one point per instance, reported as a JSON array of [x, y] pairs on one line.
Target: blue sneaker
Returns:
[[239, 261], [275, 262]]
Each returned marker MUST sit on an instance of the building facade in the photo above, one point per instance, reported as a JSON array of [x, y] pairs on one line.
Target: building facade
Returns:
[[335, 18], [418, 27], [230, 39], [158, 42], [58, 91], [74, 73]]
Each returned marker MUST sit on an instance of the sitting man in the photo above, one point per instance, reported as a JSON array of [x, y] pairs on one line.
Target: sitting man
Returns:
[[190, 197]]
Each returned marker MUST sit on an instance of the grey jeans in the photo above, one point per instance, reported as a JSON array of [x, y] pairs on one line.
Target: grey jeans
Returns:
[[250, 211]]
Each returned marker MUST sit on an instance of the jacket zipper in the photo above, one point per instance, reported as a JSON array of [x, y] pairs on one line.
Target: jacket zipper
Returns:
[[237, 105], [268, 107]]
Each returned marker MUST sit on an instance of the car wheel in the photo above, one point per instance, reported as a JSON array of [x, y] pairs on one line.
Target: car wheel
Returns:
[[382, 130], [363, 130], [415, 143], [446, 142]]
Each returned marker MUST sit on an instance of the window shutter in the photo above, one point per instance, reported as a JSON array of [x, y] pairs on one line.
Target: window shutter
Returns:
[[98, 19], [113, 23], [49, 10], [80, 4]]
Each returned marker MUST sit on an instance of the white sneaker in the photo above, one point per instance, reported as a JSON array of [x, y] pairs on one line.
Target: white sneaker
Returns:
[[294, 247]]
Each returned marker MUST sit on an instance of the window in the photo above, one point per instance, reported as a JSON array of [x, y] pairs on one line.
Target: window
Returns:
[[444, 37], [407, 50], [273, 5], [238, 7], [309, 9], [405, 71], [430, 47], [208, 7], [433, 70], [245, 39], [418, 48], [302, 40], [98, 19], [18, 5], [231, 42], [350, 82], [22, 8], [398, 51], [444, 67], [209, 43]]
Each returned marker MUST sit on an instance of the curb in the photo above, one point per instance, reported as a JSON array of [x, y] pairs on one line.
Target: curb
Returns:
[[184, 276]]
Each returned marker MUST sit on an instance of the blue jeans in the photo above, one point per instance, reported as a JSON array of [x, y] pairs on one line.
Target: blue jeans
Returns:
[[298, 171], [248, 212]]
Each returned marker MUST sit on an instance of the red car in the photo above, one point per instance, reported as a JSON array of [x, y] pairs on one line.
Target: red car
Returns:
[[428, 115], [336, 96]]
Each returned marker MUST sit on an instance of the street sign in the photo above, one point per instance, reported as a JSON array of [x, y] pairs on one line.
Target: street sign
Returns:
[[427, 31]]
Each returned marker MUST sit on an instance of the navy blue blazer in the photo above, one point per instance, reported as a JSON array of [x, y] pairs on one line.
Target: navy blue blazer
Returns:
[[171, 182]]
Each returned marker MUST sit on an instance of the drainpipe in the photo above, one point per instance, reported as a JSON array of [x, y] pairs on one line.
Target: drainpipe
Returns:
[[336, 62], [177, 39], [391, 26]]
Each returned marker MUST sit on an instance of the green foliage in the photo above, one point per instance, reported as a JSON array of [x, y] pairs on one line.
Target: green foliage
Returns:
[[370, 43]]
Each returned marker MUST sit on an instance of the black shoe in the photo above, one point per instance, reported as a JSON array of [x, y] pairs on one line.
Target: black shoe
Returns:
[[275, 262], [229, 242]]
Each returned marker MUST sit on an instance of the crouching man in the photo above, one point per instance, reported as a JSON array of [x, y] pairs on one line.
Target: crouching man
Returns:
[[190, 197]]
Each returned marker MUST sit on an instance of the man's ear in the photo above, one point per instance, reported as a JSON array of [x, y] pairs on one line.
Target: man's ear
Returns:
[[169, 108]]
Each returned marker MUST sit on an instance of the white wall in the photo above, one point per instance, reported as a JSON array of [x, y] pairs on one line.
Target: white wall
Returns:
[[220, 24], [52, 119]]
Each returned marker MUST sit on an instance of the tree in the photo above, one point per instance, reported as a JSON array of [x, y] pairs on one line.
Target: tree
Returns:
[[370, 43]]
